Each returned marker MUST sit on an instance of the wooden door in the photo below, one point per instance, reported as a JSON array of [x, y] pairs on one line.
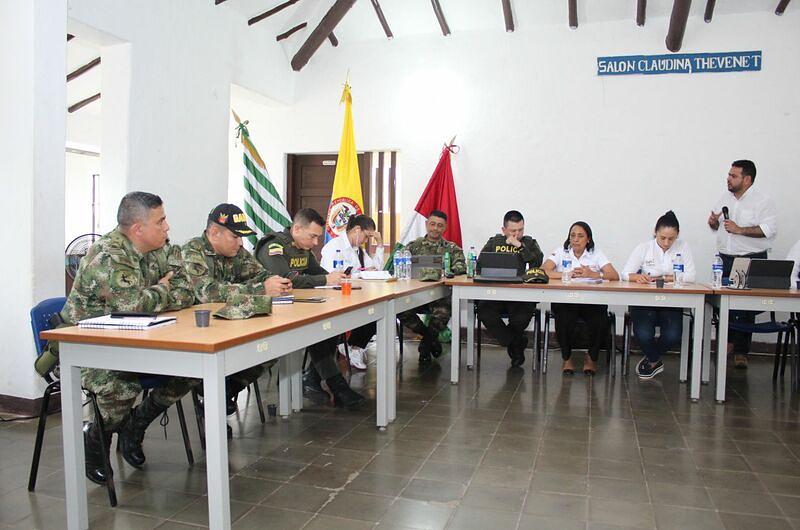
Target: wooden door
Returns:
[[310, 182]]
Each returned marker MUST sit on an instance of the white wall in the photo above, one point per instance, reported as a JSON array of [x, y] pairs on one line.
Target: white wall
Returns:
[[32, 135], [165, 119], [540, 132], [78, 194]]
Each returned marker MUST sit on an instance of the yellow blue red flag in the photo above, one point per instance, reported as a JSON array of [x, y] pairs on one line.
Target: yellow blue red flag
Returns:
[[346, 199]]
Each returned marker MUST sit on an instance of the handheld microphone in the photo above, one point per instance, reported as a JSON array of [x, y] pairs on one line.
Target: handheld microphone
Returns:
[[725, 213]]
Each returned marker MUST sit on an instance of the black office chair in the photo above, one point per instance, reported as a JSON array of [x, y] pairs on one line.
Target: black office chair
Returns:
[[536, 347], [611, 343], [41, 316]]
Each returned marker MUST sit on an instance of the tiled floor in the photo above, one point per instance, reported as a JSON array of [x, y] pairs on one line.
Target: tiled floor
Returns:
[[503, 449]]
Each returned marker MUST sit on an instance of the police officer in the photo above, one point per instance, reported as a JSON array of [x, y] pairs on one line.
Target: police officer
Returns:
[[433, 244], [131, 268], [288, 253], [511, 240], [218, 266]]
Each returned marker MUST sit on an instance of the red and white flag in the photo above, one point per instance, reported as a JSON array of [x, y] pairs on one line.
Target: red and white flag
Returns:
[[439, 194]]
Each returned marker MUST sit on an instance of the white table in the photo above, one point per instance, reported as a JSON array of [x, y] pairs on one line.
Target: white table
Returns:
[[726, 300], [209, 354], [691, 296]]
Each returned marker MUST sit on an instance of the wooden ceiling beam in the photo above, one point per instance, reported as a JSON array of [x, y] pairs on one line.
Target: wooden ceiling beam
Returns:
[[328, 23], [677, 24], [572, 6], [709, 14], [276, 9], [382, 19], [781, 7], [83, 69], [70, 36], [287, 34], [218, 2], [641, 12], [82, 103], [332, 38], [437, 10], [508, 15]]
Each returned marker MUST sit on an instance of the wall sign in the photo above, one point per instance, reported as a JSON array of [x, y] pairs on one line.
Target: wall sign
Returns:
[[679, 63]]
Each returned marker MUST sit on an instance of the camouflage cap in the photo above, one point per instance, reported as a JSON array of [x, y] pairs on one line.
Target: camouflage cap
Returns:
[[430, 274], [240, 306]]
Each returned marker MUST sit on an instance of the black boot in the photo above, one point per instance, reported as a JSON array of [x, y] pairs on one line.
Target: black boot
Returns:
[[343, 395], [131, 435], [428, 346], [516, 350], [93, 451], [231, 392], [312, 386]]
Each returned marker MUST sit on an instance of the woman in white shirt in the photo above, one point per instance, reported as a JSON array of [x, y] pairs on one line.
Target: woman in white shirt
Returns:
[[650, 260], [354, 246], [585, 260], [353, 249]]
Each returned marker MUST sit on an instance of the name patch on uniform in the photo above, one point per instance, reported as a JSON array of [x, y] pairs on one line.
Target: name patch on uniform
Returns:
[[275, 249], [298, 263], [508, 249]]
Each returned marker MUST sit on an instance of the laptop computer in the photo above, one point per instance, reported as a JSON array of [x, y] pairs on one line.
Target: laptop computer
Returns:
[[424, 261], [770, 274], [499, 267], [747, 273]]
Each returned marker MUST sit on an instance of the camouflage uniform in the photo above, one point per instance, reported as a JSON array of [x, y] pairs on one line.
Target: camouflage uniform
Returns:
[[215, 278], [440, 309], [278, 253], [114, 276], [519, 313]]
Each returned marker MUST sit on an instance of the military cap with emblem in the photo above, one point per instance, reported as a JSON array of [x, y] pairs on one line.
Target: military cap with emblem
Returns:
[[231, 217], [535, 275], [241, 306]]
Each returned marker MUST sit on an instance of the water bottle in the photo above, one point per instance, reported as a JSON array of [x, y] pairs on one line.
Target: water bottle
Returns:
[[446, 263], [716, 272], [677, 270], [338, 262], [399, 264], [406, 264], [472, 262], [566, 269]]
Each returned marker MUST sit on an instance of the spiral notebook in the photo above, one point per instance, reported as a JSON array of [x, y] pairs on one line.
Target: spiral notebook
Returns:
[[126, 322]]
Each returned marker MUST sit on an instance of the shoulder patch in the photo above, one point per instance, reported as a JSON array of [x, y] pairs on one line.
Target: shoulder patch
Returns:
[[275, 249]]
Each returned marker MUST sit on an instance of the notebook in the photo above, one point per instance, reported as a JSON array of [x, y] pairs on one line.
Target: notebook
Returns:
[[126, 322]]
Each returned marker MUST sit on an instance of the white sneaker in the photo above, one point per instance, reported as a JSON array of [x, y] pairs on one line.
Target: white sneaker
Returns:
[[358, 357]]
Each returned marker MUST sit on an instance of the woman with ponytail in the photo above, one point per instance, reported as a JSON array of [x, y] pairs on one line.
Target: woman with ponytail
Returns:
[[649, 261]]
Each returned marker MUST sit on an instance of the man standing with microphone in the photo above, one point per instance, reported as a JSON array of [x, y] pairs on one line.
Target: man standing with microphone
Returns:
[[746, 224]]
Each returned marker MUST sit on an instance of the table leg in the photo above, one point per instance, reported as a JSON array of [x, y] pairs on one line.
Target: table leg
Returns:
[[707, 328], [391, 361], [470, 334], [684, 373], [72, 424], [285, 385], [219, 507], [722, 348], [697, 352], [383, 363], [455, 345], [296, 377]]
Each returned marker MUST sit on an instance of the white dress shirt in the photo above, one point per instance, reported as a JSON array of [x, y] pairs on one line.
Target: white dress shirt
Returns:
[[753, 209], [649, 258], [594, 259], [349, 255], [794, 255]]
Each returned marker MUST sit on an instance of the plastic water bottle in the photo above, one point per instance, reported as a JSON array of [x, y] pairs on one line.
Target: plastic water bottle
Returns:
[[472, 262], [446, 263], [399, 264], [566, 270], [677, 270], [716, 272], [406, 264], [338, 262]]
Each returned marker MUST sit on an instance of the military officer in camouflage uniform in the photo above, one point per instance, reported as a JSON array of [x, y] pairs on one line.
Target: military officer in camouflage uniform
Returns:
[[512, 335], [218, 267], [131, 268], [288, 253], [433, 244]]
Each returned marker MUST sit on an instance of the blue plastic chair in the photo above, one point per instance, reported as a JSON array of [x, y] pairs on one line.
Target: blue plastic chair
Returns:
[[786, 337]]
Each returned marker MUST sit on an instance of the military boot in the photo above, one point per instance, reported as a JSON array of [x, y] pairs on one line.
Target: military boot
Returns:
[[343, 395], [93, 451], [131, 435], [312, 386], [232, 390]]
